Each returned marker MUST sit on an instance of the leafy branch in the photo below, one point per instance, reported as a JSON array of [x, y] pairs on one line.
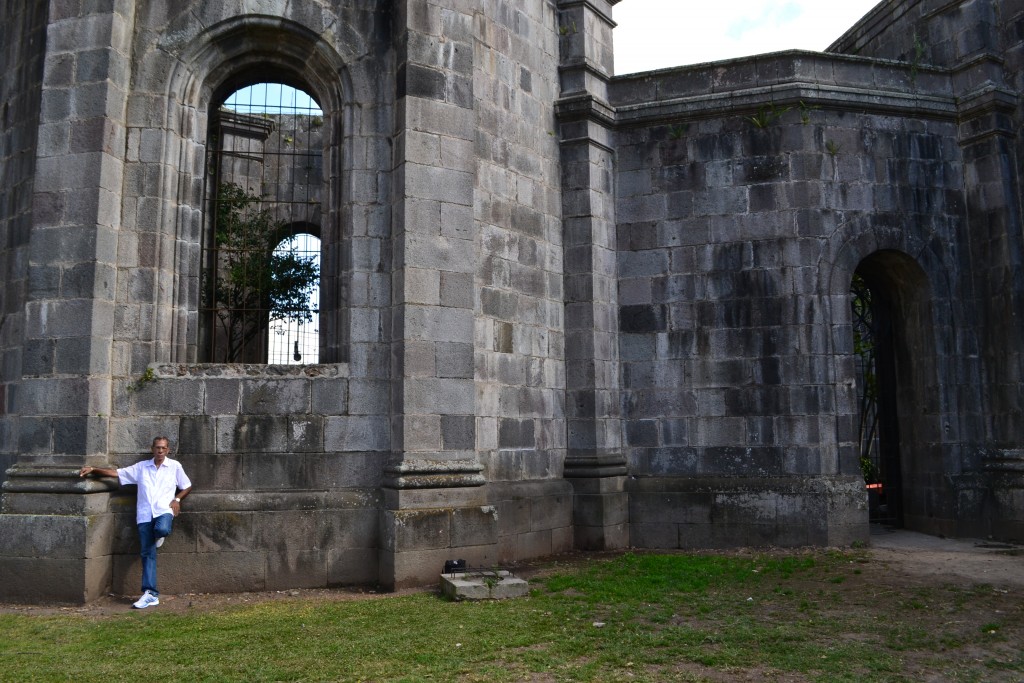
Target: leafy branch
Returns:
[[255, 280]]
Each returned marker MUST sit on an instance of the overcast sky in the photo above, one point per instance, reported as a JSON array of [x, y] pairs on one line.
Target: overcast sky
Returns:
[[654, 34]]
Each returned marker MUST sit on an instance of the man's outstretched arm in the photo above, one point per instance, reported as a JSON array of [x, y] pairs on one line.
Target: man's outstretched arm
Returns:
[[99, 471]]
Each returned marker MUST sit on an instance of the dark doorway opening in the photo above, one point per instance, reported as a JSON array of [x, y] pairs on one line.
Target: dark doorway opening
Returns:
[[878, 424]]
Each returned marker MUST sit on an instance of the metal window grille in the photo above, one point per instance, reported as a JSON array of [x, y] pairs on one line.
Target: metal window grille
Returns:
[[261, 278], [867, 379], [295, 340]]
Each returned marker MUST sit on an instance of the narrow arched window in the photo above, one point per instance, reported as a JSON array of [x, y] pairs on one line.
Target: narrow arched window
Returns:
[[294, 336], [264, 189]]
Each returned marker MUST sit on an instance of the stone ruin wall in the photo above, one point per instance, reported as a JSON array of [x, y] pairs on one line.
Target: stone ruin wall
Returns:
[[517, 288], [981, 42], [571, 310], [452, 199], [735, 240]]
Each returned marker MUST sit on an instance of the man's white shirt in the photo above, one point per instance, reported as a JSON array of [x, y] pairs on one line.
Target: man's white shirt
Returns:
[[157, 486]]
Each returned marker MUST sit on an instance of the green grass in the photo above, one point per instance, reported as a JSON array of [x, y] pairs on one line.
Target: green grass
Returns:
[[642, 617]]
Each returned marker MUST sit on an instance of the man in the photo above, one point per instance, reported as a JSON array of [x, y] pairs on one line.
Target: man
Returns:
[[162, 486]]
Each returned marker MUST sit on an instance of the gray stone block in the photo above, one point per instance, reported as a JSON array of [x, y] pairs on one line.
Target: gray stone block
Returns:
[[417, 529], [223, 396], [275, 397], [454, 360], [357, 433], [368, 397], [252, 433], [297, 569], [488, 585], [352, 566], [474, 526], [306, 434], [458, 432], [199, 572]]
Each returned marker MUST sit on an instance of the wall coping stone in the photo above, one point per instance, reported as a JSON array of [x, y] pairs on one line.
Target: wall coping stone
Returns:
[[247, 370]]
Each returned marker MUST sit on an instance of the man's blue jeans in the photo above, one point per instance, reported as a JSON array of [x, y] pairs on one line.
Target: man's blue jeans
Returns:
[[148, 533]]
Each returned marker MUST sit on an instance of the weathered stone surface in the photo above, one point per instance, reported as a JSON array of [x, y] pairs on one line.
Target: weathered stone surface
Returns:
[[558, 308], [486, 585]]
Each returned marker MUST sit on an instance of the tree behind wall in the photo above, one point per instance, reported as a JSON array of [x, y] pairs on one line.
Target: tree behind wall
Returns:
[[253, 281]]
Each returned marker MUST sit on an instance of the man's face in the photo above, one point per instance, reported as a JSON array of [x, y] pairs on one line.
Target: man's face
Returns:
[[160, 450]]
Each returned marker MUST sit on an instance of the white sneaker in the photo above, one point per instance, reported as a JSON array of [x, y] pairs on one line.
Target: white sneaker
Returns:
[[160, 541], [147, 600]]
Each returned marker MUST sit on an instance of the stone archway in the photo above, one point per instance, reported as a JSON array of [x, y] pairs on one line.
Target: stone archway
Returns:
[[910, 466]]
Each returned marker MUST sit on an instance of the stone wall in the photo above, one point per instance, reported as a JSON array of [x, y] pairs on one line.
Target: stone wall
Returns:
[[286, 463], [434, 426], [980, 42], [929, 32], [519, 329], [743, 211], [23, 41], [559, 308]]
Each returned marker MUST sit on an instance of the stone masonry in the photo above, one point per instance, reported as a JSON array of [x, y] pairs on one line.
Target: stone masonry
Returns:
[[560, 308]]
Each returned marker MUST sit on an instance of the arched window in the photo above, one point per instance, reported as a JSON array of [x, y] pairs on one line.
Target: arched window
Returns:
[[294, 333], [264, 189]]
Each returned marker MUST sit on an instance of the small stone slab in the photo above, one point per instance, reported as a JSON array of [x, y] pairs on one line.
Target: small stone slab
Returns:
[[489, 585]]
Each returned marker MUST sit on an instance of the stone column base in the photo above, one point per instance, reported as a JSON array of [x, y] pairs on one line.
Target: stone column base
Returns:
[[600, 512], [57, 535], [434, 511]]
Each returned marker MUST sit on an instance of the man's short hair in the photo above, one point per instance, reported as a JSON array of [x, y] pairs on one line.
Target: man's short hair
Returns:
[[162, 438]]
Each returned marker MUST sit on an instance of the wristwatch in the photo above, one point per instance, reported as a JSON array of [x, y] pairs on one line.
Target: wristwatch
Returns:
[[177, 500]]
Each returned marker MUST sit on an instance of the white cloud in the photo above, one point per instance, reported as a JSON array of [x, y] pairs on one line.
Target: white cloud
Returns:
[[654, 34]]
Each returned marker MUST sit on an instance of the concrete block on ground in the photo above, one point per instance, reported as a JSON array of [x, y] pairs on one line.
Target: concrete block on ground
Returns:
[[483, 585]]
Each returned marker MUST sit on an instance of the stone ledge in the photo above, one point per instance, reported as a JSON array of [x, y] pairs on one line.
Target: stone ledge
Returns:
[[246, 370]]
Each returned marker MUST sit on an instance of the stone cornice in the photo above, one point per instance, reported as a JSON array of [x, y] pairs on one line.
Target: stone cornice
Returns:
[[54, 479], [583, 64], [433, 474], [987, 99], [594, 464], [835, 82], [593, 6], [584, 106], [861, 100]]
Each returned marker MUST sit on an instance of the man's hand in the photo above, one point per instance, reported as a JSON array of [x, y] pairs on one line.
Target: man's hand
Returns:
[[101, 471], [175, 507]]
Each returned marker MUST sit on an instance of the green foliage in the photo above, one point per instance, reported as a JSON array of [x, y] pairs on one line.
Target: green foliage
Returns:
[[255, 283], [805, 112], [678, 130], [767, 115], [144, 379], [915, 60]]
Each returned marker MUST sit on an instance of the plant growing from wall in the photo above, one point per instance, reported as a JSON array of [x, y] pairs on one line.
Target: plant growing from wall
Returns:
[[144, 379], [254, 282], [915, 60], [678, 130], [805, 112], [767, 115]]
